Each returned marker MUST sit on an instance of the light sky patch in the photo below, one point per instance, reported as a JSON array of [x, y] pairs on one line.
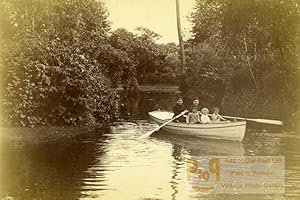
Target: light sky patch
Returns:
[[156, 15]]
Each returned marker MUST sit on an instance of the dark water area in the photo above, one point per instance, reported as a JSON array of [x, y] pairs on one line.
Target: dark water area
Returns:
[[115, 164], [138, 105]]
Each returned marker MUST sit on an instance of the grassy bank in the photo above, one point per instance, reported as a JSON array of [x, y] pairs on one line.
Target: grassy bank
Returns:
[[20, 136]]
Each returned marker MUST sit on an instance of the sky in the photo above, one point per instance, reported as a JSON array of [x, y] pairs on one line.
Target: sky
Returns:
[[156, 15]]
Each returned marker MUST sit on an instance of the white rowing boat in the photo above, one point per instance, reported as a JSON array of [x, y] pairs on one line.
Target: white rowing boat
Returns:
[[225, 130]]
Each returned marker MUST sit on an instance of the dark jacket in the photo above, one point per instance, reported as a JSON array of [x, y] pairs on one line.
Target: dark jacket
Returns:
[[177, 109]]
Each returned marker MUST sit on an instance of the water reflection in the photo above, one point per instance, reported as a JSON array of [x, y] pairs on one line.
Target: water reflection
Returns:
[[47, 171], [198, 147], [117, 165], [184, 148], [265, 143]]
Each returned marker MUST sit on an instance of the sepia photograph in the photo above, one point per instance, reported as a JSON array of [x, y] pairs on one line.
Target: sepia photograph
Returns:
[[149, 99]]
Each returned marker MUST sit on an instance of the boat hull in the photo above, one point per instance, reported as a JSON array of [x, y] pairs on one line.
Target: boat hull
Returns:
[[225, 131]]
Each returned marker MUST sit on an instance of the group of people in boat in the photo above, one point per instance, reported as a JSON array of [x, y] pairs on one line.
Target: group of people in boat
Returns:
[[195, 114]]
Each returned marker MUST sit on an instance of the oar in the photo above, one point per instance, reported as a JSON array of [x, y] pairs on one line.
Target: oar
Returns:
[[156, 129], [265, 121]]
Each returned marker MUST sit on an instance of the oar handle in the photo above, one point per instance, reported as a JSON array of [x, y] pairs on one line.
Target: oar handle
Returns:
[[241, 118], [265, 121]]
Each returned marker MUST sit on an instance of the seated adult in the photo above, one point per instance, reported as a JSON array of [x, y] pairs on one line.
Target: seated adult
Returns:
[[195, 104], [179, 108]]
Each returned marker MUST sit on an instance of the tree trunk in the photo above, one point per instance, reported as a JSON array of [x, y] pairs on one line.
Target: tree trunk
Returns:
[[182, 56], [248, 62]]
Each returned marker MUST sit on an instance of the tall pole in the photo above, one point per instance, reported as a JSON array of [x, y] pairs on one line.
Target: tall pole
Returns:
[[181, 45]]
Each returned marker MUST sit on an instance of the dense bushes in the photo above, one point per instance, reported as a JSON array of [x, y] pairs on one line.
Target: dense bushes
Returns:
[[252, 47], [154, 63], [60, 63], [54, 64], [204, 75]]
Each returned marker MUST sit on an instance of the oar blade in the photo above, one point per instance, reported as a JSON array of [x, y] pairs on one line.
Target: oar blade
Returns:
[[269, 121]]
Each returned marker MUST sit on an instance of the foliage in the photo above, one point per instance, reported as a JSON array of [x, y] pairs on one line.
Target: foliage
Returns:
[[153, 63], [204, 76], [60, 63], [170, 70], [255, 50], [52, 61]]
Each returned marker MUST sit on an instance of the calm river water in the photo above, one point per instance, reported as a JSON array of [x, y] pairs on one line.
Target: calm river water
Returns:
[[117, 165]]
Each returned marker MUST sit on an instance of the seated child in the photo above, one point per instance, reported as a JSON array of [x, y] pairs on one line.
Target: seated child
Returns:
[[216, 117], [193, 117], [204, 116]]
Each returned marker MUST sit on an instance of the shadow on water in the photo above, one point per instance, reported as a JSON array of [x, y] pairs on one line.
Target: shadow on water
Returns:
[[265, 143], [49, 170], [138, 106]]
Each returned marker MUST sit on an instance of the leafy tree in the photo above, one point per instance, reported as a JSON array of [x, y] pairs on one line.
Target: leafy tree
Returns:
[[152, 62], [52, 58], [205, 75], [170, 67], [256, 41], [123, 41]]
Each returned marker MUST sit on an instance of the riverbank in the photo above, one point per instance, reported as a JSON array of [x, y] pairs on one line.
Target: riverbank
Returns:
[[154, 88], [20, 136]]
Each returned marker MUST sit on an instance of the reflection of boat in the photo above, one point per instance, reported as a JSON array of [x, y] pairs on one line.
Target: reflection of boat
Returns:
[[188, 150], [226, 130], [207, 147]]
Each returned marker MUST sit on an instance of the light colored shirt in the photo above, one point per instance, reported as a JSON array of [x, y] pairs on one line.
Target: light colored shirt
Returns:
[[205, 119]]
